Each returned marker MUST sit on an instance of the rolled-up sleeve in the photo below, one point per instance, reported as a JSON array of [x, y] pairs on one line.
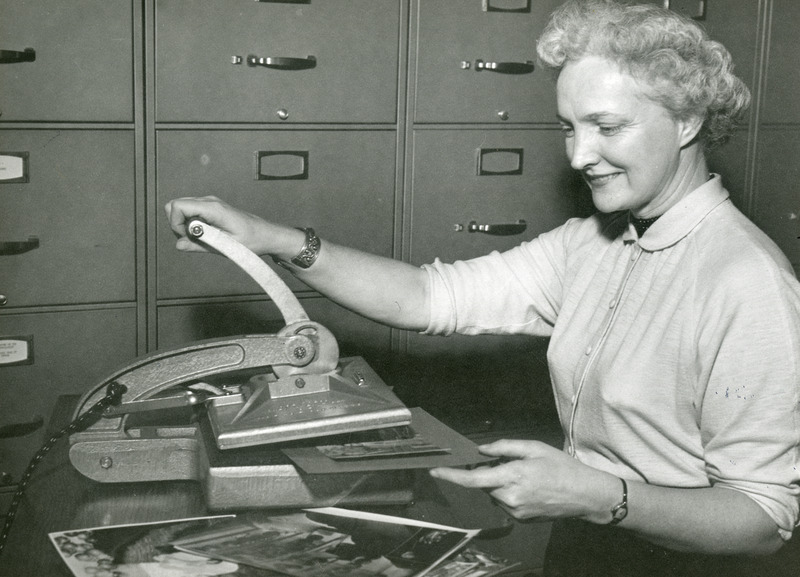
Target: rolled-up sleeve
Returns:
[[750, 418], [514, 292]]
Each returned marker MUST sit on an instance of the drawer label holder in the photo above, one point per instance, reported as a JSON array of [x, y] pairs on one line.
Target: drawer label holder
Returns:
[[16, 350]]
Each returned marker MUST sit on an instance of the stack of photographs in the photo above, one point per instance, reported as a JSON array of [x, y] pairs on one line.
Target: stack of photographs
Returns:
[[328, 542]]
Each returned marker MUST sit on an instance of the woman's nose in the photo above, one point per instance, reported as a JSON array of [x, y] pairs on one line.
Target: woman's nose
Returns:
[[582, 151]]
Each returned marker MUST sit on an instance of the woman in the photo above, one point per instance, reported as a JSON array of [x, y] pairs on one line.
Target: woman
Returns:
[[674, 323]]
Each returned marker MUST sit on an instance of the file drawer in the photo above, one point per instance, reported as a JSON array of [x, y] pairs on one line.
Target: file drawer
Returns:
[[47, 354], [781, 104], [67, 204], [471, 189], [777, 212], [331, 61], [478, 64], [78, 65], [341, 183]]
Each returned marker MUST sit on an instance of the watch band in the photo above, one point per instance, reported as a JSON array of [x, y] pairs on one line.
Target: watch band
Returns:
[[310, 251], [620, 510]]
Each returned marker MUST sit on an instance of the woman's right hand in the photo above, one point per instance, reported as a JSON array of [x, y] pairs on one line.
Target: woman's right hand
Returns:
[[252, 231]]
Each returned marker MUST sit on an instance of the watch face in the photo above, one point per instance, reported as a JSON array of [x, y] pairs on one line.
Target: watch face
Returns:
[[619, 513]]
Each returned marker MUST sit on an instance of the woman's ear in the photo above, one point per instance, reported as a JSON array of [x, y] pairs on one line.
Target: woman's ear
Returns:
[[690, 129]]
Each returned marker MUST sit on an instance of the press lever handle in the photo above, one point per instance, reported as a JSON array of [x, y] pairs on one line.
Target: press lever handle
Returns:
[[249, 262]]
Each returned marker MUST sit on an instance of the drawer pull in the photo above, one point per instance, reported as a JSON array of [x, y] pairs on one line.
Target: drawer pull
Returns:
[[18, 246], [281, 165], [505, 67], [506, 6], [500, 161], [697, 12], [15, 56], [278, 62], [498, 229]]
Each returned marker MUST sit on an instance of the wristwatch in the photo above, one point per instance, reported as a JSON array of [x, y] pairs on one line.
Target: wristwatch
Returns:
[[308, 254], [620, 510]]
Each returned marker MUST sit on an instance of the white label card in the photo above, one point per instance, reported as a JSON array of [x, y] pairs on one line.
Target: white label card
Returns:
[[16, 350]]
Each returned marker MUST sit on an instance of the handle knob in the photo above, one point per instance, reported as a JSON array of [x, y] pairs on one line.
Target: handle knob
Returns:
[[3, 300], [15, 56]]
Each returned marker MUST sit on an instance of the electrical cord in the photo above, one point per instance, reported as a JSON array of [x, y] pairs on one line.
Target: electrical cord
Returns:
[[113, 396]]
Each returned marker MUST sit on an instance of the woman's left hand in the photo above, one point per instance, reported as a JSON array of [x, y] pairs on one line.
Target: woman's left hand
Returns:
[[535, 481]]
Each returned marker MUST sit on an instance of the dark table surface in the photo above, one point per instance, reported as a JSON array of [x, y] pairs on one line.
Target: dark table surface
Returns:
[[58, 498]]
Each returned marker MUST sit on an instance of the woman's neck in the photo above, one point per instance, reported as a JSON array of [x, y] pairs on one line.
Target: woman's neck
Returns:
[[692, 173]]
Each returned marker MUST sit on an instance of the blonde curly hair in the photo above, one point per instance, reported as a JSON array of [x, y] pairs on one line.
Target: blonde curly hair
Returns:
[[690, 74]]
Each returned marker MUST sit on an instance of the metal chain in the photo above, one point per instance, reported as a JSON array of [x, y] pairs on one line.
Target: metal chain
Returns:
[[113, 396]]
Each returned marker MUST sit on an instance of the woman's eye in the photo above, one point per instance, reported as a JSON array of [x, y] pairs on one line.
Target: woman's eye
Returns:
[[566, 130], [609, 130]]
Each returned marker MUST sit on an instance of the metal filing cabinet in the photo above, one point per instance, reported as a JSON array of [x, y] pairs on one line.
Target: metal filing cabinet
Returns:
[[776, 204], [66, 62], [287, 119], [339, 181], [50, 353], [489, 172], [475, 62], [68, 311], [76, 207], [331, 61], [480, 189], [781, 105]]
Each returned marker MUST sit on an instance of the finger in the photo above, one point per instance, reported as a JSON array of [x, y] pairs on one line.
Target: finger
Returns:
[[187, 244], [182, 210], [482, 478], [514, 449]]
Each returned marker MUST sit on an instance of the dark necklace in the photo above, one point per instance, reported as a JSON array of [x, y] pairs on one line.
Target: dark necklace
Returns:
[[642, 224]]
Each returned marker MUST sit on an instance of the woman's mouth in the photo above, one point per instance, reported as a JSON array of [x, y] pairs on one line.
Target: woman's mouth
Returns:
[[600, 179]]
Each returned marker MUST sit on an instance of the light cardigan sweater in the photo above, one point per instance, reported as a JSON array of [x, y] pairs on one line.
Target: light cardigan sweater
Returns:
[[675, 357]]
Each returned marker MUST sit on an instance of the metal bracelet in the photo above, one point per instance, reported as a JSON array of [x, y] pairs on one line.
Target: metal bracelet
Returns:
[[310, 251]]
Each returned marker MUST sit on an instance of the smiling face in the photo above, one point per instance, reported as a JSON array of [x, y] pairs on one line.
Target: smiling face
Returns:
[[630, 150]]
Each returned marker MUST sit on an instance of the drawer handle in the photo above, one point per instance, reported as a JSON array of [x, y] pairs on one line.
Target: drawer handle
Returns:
[[499, 6], [19, 246], [281, 165], [278, 62], [505, 67], [15, 56], [498, 229], [699, 13]]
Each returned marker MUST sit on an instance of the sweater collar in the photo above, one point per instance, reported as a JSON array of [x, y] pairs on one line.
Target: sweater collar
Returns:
[[681, 219]]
